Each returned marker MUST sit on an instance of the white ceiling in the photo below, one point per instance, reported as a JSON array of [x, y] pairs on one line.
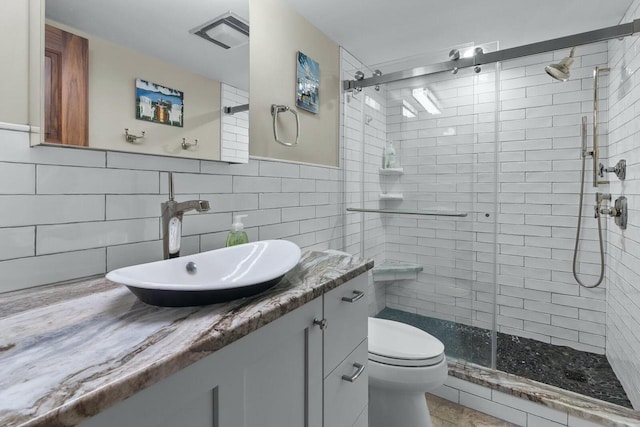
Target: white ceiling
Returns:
[[379, 31], [161, 28], [375, 31]]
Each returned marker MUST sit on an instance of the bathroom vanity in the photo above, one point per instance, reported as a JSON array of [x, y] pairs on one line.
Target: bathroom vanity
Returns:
[[90, 354]]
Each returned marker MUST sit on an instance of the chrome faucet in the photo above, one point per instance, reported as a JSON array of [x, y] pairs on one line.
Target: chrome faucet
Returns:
[[172, 212]]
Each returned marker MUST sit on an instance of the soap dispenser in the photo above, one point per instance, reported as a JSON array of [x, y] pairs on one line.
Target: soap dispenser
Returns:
[[237, 235], [389, 156]]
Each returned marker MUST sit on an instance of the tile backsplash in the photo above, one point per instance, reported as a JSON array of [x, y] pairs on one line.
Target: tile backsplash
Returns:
[[71, 213]]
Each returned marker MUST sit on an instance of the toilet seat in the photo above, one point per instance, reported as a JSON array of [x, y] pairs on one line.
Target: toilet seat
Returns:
[[397, 344]]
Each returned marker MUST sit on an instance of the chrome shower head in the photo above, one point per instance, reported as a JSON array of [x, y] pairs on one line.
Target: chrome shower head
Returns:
[[560, 71]]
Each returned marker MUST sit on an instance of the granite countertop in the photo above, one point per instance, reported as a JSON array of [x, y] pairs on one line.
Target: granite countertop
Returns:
[[69, 351]]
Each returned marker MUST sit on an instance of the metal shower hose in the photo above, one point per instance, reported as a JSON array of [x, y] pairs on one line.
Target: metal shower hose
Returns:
[[575, 249]]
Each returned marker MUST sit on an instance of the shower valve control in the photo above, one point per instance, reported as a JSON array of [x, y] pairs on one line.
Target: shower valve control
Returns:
[[618, 212], [620, 169]]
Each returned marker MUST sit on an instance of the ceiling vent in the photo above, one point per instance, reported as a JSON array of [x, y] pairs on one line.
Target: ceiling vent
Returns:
[[227, 31]]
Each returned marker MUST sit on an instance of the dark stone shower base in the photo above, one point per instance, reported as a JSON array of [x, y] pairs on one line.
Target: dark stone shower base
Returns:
[[579, 371]]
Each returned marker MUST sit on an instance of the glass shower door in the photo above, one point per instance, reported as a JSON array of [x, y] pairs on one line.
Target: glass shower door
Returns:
[[429, 220]]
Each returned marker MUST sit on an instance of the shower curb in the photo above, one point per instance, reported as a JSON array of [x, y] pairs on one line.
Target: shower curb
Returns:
[[530, 392]]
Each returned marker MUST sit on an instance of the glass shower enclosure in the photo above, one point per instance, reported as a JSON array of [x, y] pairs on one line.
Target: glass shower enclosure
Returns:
[[472, 223], [421, 188]]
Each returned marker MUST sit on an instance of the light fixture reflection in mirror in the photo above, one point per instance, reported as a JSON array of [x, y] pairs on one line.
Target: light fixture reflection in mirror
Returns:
[[91, 96]]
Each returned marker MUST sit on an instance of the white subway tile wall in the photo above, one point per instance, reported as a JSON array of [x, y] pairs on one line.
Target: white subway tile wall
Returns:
[[623, 250], [234, 129], [67, 214], [539, 182]]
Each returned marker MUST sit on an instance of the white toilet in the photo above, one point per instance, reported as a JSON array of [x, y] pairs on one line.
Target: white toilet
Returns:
[[404, 363]]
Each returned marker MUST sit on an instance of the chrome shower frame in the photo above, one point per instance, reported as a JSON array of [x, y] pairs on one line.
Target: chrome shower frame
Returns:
[[603, 34]]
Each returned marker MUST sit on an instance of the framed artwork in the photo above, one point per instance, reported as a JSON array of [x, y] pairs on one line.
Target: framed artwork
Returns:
[[159, 104], [308, 83]]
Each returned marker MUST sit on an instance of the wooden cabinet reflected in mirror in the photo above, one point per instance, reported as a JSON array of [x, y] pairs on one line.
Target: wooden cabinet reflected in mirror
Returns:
[[66, 85]]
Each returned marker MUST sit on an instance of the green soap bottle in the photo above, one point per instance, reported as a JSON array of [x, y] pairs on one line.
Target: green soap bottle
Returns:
[[237, 235]]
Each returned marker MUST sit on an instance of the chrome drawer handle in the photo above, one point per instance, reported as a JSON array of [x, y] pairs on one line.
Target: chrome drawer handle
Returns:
[[359, 371], [356, 296]]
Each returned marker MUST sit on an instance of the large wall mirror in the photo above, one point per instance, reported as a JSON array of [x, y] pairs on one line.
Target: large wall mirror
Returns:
[[159, 77]]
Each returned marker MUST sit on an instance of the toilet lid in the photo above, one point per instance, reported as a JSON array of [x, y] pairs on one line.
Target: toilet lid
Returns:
[[398, 344]]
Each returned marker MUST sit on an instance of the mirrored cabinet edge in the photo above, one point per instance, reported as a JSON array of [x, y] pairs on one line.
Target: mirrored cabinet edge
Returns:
[[36, 71], [36, 94]]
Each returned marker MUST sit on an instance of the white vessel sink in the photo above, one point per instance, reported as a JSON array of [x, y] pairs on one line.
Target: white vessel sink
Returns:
[[210, 277]]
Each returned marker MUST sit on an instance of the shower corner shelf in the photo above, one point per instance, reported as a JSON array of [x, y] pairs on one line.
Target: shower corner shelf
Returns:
[[395, 270], [391, 171], [391, 196]]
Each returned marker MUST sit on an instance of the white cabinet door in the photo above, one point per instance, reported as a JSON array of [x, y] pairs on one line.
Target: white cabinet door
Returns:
[[363, 419], [271, 377], [345, 309], [188, 399], [283, 383]]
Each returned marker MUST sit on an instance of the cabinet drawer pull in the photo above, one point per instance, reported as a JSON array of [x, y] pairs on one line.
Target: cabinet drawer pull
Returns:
[[356, 296], [359, 371]]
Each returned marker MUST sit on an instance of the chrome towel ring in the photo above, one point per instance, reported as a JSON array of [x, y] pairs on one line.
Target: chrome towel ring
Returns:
[[275, 109]]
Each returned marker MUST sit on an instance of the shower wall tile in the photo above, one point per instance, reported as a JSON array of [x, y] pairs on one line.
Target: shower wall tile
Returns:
[[550, 201], [75, 213], [623, 246]]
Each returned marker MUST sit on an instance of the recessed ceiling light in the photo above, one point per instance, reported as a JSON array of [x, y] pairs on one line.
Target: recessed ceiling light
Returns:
[[227, 31]]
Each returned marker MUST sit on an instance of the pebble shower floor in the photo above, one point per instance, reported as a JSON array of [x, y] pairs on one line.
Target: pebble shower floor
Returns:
[[581, 372]]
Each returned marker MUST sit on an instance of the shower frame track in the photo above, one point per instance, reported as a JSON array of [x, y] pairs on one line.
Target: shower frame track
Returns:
[[603, 34]]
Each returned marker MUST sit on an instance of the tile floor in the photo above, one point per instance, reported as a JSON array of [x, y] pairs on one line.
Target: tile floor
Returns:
[[449, 414]]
